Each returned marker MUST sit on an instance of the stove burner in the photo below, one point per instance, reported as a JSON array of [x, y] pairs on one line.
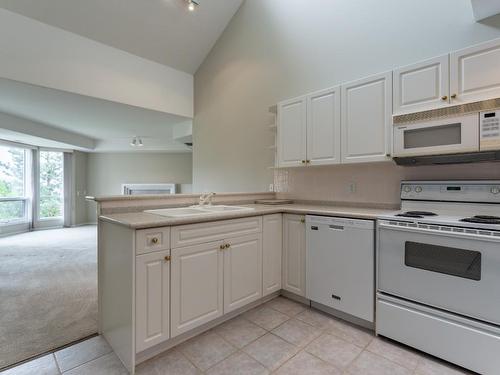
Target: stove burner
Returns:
[[410, 215], [482, 219], [421, 213], [416, 214]]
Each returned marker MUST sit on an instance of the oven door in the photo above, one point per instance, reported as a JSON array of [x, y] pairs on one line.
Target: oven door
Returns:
[[458, 272], [445, 136]]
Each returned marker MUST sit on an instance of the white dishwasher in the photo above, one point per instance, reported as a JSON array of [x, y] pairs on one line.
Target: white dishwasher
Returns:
[[340, 264]]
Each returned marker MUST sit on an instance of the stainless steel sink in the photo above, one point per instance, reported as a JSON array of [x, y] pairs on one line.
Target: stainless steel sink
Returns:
[[197, 210]]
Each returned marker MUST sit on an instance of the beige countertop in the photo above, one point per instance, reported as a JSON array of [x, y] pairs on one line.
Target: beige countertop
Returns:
[[141, 220]]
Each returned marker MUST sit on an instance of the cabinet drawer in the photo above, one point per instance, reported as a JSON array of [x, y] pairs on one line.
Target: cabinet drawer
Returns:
[[154, 239], [186, 235]]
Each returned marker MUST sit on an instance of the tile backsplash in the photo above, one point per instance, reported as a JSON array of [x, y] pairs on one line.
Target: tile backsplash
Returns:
[[369, 183]]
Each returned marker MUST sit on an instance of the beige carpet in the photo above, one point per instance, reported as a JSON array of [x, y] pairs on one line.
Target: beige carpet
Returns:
[[48, 291]]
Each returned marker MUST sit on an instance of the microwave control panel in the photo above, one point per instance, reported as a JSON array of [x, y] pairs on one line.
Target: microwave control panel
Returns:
[[489, 130]]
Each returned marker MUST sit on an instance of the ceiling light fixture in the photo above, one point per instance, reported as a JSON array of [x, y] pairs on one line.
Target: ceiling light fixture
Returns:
[[192, 4]]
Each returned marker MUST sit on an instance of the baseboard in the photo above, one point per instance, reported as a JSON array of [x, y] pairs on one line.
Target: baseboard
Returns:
[[82, 225]]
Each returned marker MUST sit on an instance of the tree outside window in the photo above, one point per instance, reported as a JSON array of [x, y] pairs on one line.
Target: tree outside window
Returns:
[[51, 184], [12, 183]]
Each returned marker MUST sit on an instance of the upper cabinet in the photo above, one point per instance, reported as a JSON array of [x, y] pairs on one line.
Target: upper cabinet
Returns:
[[352, 123], [292, 122], [366, 119], [309, 129], [475, 73], [421, 86], [323, 127]]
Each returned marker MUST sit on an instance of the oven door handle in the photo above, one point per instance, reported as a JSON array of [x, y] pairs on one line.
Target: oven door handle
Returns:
[[470, 236]]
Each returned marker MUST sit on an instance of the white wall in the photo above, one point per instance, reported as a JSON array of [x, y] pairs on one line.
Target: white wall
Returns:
[[106, 172], [39, 54], [273, 50]]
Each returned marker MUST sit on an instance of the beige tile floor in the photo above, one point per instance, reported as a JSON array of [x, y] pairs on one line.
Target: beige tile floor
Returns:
[[280, 337]]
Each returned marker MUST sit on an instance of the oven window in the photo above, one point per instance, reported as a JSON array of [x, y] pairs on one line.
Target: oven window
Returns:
[[449, 134], [442, 259]]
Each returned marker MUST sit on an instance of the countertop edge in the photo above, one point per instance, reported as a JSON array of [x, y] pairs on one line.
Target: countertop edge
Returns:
[[268, 210]]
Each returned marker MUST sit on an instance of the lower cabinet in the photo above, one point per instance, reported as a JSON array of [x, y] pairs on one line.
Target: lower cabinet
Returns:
[[152, 299], [242, 271], [294, 254], [196, 286], [272, 252]]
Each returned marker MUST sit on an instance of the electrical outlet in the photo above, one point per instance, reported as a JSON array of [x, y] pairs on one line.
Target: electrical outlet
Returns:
[[352, 187], [271, 187]]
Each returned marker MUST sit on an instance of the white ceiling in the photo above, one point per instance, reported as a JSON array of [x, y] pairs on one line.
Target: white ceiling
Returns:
[[110, 124], [159, 30]]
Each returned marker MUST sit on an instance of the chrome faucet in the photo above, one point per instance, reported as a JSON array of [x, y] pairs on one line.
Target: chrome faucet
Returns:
[[206, 198]]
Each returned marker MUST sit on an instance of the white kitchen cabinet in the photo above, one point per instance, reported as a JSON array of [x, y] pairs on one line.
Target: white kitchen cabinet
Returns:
[[421, 86], [196, 286], [323, 127], [292, 122], [272, 252], [475, 73], [242, 271], [294, 254], [367, 119], [152, 299]]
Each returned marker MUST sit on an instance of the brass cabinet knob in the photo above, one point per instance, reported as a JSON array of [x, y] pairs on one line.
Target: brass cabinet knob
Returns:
[[453, 96], [302, 220], [444, 97], [227, 246], [222, 247], [167, 258], [308, 161], [303, 161], [154, 240]]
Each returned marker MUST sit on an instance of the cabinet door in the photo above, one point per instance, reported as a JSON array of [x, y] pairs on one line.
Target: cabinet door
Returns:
[[421, 86], [292, 132], [152, 299], [475, 73], [272, 246], [242, 271], [294, 254], [323, 127], [196, 286], [366, 119]]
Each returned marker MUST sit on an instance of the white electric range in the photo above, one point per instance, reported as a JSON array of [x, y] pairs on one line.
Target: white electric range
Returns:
[[438, 272]]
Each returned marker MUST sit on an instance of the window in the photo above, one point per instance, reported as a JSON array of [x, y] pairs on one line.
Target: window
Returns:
[[51, 200], [13, 200]]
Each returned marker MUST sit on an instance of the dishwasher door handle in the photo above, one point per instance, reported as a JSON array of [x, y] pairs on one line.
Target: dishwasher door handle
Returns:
[[336, 227]]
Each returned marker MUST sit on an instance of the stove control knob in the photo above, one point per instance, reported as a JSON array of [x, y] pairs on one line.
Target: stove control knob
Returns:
[[495, 190], [407, 189], [418, 189]]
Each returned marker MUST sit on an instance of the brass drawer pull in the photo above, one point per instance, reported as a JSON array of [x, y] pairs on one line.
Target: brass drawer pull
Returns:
[[168, 258], [155, 240]]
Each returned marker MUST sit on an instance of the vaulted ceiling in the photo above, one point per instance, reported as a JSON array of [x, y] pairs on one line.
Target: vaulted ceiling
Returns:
[[159, 30]]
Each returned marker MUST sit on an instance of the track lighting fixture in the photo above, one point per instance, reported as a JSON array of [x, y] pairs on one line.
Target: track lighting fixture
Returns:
[[136, 142]]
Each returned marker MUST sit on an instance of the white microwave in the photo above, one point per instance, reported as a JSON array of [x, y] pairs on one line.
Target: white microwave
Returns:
[[470, 133]]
